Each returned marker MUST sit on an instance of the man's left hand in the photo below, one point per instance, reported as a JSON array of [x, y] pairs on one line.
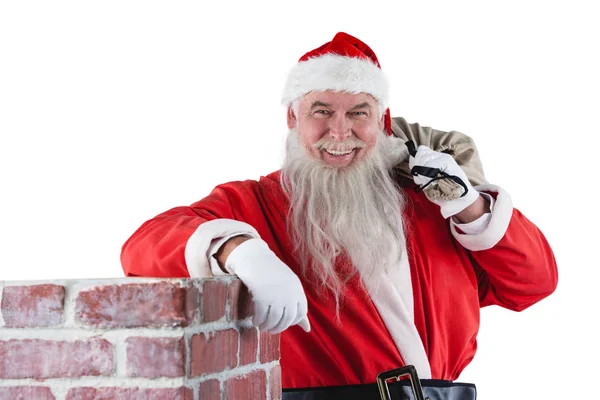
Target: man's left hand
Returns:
[[425, 157]]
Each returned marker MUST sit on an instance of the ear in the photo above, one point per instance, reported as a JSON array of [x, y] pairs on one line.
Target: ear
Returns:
[[381, 122], [291, 118]]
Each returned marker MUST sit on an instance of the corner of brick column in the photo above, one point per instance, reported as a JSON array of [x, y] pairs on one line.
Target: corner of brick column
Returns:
[[230, 358]]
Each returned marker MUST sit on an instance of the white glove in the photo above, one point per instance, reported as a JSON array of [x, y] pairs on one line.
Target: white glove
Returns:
[[279, 299], [426, 157]]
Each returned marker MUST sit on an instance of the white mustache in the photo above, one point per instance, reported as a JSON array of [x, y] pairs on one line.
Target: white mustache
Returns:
[[329, 144]]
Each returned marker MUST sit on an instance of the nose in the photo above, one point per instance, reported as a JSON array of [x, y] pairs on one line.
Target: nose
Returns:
[[340, 127]]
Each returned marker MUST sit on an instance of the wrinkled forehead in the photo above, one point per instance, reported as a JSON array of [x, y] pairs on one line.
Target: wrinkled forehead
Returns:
[[337, 100]]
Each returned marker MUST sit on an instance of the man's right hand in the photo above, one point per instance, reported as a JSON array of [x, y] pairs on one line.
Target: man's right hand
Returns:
[[279, 299]]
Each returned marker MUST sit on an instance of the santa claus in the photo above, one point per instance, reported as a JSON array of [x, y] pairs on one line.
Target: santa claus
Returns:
[[358, 271]]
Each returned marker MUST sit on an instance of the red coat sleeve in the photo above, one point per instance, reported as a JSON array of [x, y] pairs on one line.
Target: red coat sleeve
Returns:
[[519, 270], [514, 263], [157, 248]]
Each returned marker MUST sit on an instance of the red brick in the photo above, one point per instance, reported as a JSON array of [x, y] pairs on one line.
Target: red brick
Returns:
[[269, 347], [210, 390], [151, 357], [161, 304], [214, 352], [249, 386], [240, 301], [26, 393], [32, 306], [248, 346], [39, 359], [192, 305], [275, 382], [116, 393], [214, 300]]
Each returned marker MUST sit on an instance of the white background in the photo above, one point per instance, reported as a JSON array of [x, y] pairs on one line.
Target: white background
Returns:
[[114, 111]]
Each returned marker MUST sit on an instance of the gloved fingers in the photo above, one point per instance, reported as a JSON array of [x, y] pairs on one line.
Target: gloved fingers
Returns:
[[301, 310], [274, 316], [434, 160], [422, 149], [427, 159], [261, 313], [423, 157], [302, 317], [454, 207], [285, 322], [424, 152], [420, 179], [304, 324]]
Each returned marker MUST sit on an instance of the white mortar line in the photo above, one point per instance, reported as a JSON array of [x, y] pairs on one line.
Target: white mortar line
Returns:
[[59, 392], [73, 333], [219, 325], [69, 306], [229, 373], [239, 347], [196, 391], [98, 381], [187, 339], [120, 356], [70, 334], [259, 341], [268, 383]]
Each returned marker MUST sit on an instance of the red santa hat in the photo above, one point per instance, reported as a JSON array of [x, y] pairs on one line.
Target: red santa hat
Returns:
[[345, 64]]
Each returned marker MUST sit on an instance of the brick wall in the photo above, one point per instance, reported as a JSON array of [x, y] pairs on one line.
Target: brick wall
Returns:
[[134, 339]]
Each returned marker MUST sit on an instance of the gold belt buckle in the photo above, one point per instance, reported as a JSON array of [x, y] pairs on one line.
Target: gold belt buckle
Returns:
[[396, 374]]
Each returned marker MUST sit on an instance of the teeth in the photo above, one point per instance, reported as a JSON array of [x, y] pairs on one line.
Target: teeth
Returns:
[[339, 153]]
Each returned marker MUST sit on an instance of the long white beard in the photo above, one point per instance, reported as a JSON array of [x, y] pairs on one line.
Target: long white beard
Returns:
[[353, 212]]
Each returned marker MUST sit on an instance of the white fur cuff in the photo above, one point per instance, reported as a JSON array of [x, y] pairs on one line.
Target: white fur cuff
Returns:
[[501, 216], [198, 246]]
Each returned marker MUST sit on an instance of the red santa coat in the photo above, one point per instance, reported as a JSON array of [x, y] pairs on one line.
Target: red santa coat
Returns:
[[427, 314]]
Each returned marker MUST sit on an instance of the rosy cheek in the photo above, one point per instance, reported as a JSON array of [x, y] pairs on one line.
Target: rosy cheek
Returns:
[[308, 140], [368, 136], [312, 135], [372, 140]]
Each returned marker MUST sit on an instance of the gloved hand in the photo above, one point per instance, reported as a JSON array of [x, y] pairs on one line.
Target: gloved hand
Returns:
[[425, 157], [279, 299]]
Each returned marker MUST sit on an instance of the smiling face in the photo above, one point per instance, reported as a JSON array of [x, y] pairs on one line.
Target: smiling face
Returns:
[[344, 201], [337, 128]]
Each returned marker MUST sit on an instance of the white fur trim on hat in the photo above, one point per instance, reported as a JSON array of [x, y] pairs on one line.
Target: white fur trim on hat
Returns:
[[337, 73]]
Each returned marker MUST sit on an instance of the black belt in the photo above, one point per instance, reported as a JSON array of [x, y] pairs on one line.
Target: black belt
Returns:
[[411, 389]]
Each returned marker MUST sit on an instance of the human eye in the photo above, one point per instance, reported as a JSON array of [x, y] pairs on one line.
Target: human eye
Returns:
[[322, 112]]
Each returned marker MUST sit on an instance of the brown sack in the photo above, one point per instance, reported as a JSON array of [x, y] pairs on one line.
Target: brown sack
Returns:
[[460, 146]]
